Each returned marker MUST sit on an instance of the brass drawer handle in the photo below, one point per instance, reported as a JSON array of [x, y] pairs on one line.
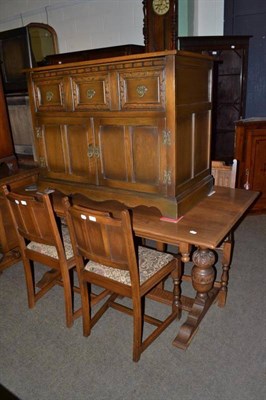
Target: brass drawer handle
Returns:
[[90, 93], [141, 90], [49, 96]]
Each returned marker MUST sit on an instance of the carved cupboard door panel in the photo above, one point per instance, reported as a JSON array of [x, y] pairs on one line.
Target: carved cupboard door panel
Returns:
[[132, 153], [66, 149]]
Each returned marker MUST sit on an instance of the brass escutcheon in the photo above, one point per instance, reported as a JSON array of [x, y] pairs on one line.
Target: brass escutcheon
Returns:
[[141, 90], [49, 96], [90, 93]]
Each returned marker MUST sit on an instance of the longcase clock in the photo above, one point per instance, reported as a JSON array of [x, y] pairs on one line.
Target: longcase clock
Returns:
[[160, 24]]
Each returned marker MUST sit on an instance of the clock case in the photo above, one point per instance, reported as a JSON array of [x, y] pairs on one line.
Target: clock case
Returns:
[[160, 31]]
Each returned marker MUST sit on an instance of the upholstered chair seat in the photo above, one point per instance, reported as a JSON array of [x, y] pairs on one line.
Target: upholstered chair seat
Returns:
[[51, 251], [150, 262]]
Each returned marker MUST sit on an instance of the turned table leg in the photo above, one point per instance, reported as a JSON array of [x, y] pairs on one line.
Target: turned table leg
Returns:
[[227, 255], [203, 276]]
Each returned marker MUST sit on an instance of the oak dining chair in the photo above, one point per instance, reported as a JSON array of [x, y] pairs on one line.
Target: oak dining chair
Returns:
[[107, 256], [42, 240]]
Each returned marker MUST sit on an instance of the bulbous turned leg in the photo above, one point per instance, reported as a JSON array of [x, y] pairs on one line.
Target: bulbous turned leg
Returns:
[[203, 273], [203, 276]]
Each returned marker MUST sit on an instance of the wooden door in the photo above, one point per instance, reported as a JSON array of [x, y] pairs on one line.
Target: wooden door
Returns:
[[64, 149], [131, 153], [256, 165]]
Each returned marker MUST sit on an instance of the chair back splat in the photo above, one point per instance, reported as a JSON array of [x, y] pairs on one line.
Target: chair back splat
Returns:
[[42, 240], [122, 268], [224, 175]]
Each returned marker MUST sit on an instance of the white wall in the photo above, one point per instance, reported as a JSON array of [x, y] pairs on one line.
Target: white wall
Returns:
[[208, 17], [80, 24], [86, 24]]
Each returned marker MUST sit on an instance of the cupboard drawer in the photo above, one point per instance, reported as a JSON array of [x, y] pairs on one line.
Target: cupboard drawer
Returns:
[[144, 89], [91, 92], [50, 95]]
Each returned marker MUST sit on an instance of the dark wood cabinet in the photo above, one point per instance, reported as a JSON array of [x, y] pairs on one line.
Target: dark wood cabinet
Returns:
[[135, 129], [11, 175], [251, 154], [6, 144], [230, 55]]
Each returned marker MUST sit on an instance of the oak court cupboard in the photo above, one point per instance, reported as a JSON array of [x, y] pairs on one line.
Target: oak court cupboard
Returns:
[[134, 128]]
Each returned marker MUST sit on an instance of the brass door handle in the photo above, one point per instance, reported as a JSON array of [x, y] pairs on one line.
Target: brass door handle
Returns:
[[90, 93]]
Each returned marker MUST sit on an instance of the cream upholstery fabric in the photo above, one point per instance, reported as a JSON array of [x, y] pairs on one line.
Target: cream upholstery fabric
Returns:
[[150, 261], [51, 250]]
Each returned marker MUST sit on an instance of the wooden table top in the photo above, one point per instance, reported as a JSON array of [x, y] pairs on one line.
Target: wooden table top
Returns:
[[206, 224]]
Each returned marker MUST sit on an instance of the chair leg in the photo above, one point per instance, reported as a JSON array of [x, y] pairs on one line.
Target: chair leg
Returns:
[[29, 276], [86, 308], [138, 313], [68, 294]]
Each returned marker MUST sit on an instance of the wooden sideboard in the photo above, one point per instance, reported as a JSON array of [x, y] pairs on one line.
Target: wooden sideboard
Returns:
[[250, 151], [135, 129]]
